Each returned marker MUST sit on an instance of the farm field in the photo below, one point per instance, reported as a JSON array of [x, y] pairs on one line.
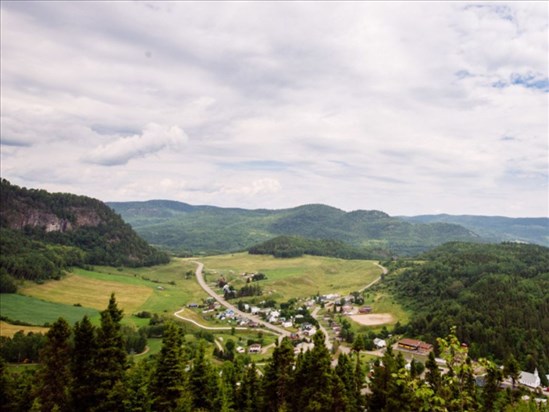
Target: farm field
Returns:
[[7, 329], [295, 277], [38, 312]]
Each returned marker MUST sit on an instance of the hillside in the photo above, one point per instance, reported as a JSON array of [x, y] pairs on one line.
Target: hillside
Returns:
[[496, 228], [293, 246], [496, 295], [43, 233], [184, 228]]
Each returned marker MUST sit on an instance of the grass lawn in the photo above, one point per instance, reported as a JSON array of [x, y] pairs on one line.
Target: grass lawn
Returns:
[[38, 312], [7, 329], [296, 277], [84, 288]]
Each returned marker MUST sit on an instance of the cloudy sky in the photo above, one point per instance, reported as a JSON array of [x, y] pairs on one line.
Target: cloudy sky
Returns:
[[409, 108]]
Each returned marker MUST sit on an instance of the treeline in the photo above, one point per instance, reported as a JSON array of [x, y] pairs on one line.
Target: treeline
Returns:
[[86, 232], [293, 246], [87, 370], [497, 295]]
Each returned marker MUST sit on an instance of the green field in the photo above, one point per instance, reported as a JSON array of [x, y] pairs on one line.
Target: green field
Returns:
[[295, 277], [38, 312]]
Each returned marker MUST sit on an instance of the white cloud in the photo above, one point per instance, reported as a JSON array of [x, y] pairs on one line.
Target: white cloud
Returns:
[[394, 106], [154, 139], [256, 187]]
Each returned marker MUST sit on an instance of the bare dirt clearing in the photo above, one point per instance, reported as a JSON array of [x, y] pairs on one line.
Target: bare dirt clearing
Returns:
[[373, 319]]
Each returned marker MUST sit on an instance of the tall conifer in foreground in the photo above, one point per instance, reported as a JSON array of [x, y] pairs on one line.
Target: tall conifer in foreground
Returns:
[[111, 359], [54, 375], [83, 366]]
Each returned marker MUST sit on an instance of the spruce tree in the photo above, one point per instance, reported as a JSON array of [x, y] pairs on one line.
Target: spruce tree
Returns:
[[83, 366], [168, 381], [203, 382], [54, 375], [278, 379], [111, 360]]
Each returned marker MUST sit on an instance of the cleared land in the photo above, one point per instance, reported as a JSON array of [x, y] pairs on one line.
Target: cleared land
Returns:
[[7, 329], [90, 292], [294, 277], [373, 319], [38, 312]]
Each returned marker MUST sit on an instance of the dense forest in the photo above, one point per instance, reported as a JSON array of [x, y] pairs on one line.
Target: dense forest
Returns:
[[497, 295], [42, 234], [187, 229], [86, 368], [293, 246]]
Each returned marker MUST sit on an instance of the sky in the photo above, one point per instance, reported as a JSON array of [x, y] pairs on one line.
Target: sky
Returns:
[[406, 107]]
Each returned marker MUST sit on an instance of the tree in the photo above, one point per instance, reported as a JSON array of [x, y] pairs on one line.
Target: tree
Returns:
[[54, 376], [168, 381], [84, 366], [112, 359], [278, 377], [203, 382], [511, 369]]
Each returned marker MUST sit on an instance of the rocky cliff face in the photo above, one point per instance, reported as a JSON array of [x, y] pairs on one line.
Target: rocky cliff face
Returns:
[[21, 217]]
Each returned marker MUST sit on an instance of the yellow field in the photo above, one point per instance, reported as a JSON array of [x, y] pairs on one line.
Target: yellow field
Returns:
[[90, 292], [295, 277], [7, 329]]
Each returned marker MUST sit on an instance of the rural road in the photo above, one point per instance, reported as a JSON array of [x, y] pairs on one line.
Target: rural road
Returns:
[[314, 314], [223, 302]]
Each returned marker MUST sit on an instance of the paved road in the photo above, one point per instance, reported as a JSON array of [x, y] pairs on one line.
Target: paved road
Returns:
[[200, 278]]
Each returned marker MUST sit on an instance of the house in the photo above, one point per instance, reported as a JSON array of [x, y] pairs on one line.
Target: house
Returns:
[[531, 380], [254, 348], [414, 345], [255, 310], [380, 343]]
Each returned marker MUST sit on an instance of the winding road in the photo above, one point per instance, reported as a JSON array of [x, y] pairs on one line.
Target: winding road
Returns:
[[200, 278]]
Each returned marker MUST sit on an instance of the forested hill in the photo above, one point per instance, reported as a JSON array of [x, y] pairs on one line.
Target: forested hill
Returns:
[[205, 229], [43, 232], [496, 228], [496, 295], [293, 246]]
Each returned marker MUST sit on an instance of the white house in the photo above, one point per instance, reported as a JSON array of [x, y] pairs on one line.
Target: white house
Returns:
[[531, 380], [380, 343]]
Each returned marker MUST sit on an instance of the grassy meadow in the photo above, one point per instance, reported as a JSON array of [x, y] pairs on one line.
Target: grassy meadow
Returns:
[[295, 277], [38, 312]]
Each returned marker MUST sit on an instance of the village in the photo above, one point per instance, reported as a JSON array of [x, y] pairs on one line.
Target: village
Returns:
[[301, 320]]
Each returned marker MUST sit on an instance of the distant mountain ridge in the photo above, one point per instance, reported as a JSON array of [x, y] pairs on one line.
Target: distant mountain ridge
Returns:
[[184, 228], [495, 228]]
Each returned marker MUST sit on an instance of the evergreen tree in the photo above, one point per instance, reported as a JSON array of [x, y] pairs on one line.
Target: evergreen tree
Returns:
[[315, 376], [511, 369], [84, 367], [168, 381], [278, 377], [203, 382], [111, 360], [249, 391], [54, 375]]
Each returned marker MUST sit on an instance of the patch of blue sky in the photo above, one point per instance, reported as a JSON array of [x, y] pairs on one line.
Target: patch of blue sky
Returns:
[[529, 80], [462, 74], [270, 165]]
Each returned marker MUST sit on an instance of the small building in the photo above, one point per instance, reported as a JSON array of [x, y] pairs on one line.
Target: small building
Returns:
[[254, 348], [380, 343], [532, 380], [365, 309], [415, 345]]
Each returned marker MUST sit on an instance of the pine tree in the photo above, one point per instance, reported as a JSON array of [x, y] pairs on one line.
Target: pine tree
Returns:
[[249, 391], [203, 382], [168, 381], [54, 376], [278, 377], [314, 377], [111, 360], [83, 366]]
